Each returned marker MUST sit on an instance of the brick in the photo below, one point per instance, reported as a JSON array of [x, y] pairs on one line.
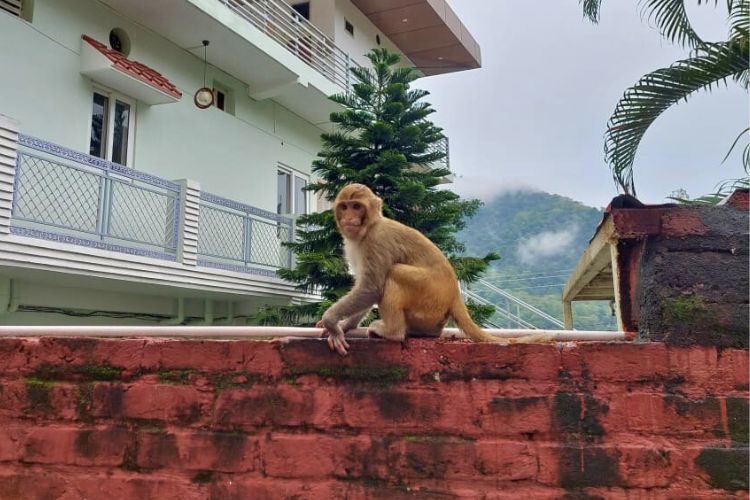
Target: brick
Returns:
[[40, 483], [619, 362], [15, 353], [103, 446], [506, 460], [671, 414], [12, 439], [315, 456], [197, 450], [696, 365], [184, 404], [264, 406], [204, 355], [385, 410], [515, 416], [578, 465]]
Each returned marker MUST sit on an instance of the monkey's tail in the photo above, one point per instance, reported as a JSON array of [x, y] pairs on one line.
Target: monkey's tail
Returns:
[[460, 315]]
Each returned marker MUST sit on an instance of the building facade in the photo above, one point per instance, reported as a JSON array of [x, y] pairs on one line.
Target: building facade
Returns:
[[124, 196]]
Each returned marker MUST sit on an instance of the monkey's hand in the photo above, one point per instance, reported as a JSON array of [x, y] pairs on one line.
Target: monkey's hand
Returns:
[[336, 339]]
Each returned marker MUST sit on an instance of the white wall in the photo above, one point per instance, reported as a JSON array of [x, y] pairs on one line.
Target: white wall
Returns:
[[232, 156], [364, 33]]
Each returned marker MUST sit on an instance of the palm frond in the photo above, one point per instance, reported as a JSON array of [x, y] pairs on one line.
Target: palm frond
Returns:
[[672, 21], [591, 9], [739, 19], [657, 91]]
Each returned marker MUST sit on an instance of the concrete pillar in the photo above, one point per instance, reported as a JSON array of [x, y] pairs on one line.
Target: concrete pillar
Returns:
[[8, 158], [187, 245]]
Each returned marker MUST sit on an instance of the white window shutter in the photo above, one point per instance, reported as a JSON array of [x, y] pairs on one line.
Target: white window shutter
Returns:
[[12, 6]]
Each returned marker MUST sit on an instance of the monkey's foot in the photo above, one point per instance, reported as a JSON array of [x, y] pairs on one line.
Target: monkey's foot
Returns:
[[378, 329]]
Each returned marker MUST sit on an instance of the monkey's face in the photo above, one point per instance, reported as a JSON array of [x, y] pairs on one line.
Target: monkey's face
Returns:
[[351, 217]]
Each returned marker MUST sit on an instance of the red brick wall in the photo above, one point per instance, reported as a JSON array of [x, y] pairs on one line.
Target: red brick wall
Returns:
[[84, 418]]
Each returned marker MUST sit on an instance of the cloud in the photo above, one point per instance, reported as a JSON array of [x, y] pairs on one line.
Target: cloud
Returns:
[[487, 187], [546, 244]]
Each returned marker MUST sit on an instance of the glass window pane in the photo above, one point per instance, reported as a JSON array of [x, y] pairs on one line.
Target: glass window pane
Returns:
[[120, 134], [98, 144], [283, 203], [300, 196]]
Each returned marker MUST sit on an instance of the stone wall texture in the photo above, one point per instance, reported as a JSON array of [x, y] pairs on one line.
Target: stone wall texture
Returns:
[[163, 419]]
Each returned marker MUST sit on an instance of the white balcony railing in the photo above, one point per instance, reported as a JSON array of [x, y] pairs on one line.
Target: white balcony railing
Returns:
[[299, 36]]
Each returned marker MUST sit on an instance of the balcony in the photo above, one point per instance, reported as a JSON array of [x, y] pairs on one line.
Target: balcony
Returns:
[[264, 43], [81, 218]]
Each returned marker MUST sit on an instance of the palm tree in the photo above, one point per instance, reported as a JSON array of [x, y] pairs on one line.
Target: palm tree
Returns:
[[708, 65]]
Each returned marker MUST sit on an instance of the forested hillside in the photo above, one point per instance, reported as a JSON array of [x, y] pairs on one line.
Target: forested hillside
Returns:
[[540, 237]]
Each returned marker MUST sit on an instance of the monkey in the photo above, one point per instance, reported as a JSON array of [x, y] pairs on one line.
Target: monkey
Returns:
[[400, 270]]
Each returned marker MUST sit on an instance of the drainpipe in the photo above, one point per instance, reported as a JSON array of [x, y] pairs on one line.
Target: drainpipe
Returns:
[[176, 320], [8, 296]]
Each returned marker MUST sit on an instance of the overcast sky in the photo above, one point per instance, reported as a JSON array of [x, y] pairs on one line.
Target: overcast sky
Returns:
[[534, 115]]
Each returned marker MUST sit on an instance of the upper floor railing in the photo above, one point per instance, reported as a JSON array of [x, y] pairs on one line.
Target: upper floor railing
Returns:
[[74, 197], [280, 21], [71, 197]]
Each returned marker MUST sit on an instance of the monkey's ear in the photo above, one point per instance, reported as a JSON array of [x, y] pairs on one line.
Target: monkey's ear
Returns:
[[377, 205]]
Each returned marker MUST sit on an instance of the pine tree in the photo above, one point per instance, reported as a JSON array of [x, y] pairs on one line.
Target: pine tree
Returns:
[[384, 140]]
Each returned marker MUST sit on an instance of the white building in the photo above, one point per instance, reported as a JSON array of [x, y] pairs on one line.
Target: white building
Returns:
[[121, 198]]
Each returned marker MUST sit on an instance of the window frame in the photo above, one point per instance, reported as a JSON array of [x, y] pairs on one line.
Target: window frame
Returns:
[[113, 97], [291, 191]]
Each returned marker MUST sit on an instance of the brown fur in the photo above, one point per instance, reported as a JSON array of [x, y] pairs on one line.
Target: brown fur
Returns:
[[398, 268]]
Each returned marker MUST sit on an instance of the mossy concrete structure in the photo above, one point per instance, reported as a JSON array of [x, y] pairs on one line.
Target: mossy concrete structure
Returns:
[[677, 274]]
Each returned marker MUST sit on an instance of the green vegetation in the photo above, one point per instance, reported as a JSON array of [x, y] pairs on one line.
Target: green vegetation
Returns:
[[540, 237], [708, 65], [383, 139]]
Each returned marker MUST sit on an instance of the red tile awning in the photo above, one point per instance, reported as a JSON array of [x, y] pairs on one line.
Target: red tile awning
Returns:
[[113, 69]]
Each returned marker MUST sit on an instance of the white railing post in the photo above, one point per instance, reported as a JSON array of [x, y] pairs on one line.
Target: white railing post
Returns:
[[8, 159], [187, 243]]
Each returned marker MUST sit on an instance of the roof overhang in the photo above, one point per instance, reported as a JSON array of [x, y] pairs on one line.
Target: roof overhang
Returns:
[[428, 32], [123, 75]]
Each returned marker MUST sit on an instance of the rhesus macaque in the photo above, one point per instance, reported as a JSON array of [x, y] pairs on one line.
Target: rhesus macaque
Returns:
[[400, 270]]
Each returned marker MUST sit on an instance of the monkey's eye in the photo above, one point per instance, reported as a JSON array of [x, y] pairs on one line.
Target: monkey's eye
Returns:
[[356, 206]]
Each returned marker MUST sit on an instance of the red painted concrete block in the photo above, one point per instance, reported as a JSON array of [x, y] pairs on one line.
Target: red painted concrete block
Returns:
[[263, 406], [170, 403], [612, 361], [103, 446], [197, 451], [507, 460], [517, 416], [316, 456]]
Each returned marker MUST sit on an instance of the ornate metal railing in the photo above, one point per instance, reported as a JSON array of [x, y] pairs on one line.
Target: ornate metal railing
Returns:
[[280, 21], [235, 236], [72, 197], [442, 146]]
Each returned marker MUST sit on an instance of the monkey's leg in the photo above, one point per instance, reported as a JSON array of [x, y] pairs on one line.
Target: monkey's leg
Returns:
[[393, 323]]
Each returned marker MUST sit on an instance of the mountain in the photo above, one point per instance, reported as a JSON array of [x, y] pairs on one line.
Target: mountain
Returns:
[[540, 237]]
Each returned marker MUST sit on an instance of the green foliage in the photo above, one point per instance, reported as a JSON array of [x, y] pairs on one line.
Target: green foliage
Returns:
[[509, 224], [708, 65], [382, 139]]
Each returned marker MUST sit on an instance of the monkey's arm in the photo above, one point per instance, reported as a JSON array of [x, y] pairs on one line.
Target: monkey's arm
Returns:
[[360, 299]]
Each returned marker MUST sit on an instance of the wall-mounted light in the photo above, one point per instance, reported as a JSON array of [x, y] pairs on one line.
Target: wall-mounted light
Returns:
[[204, 96]]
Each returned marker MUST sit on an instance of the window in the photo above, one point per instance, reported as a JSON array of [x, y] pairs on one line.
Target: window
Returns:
[[119, 41], [303, 9], [349, 27], [223, 97], [377, 39], [112, 127], [291, 196]]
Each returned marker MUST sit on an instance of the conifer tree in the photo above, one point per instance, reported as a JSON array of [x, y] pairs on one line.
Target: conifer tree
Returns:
[[384, 140]]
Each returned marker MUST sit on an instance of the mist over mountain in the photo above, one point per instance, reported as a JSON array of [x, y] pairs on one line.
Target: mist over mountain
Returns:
[[540, 238]]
